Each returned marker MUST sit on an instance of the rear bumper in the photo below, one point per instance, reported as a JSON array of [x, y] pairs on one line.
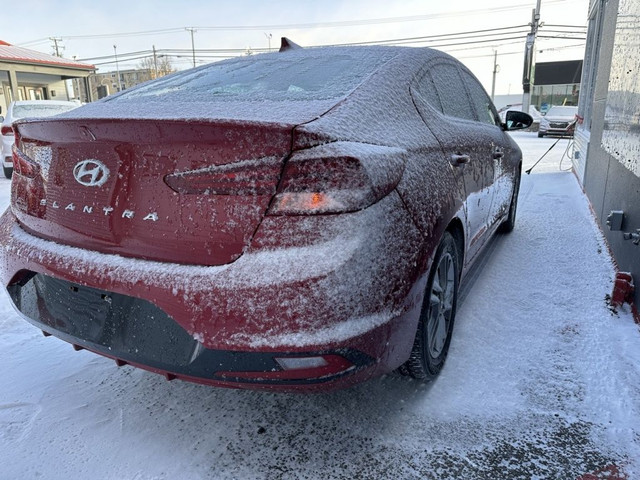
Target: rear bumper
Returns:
[[356, 299], [101, 321]]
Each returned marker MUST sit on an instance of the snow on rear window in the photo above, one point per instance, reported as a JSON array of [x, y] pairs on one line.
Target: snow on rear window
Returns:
[[297, 75], [22, 111]]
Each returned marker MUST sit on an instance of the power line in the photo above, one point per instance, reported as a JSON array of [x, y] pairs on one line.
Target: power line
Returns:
[[215, 53], [578, 45], [562, 38], [564, 26], [345, 23], [498, 36], [443, 36], [501, 32]]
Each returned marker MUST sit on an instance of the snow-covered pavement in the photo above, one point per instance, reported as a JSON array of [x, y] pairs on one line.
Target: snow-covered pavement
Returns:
[[542, 382]]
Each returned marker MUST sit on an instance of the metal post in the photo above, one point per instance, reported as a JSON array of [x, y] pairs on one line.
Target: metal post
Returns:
[[117, 69], [193, 48], [529, 52], [13, 84], [56, 47], [496, 69], [269, 36], [155, 62], [87, 88]]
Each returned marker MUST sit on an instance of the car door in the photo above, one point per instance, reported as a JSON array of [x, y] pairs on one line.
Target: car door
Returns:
[[461, 138], [495, 145]]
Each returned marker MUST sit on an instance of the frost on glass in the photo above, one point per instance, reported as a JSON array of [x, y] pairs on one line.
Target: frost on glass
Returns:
[[42, 109], [621, 136], [293, 87], [290, 76]]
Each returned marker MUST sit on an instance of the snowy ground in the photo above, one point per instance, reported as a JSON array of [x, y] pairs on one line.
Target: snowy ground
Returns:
[[542, 382]]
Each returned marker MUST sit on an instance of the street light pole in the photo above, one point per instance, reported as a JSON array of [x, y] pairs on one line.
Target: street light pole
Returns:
[[268, 35], [496, 69], [155, 63], [115, 52], [529, 51], [193, 48]]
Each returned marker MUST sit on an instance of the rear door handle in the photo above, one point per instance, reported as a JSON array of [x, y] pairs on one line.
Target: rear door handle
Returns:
[[497, 153], [457, 159]]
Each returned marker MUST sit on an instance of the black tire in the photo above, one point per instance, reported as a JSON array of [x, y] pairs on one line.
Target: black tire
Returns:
[[508, 225], [437, 316], [540, 135], [8, 171]]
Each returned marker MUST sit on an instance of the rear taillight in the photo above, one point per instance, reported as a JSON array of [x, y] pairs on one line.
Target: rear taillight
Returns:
[[7, 130], [23, 164], [250, 177], [337, 177]]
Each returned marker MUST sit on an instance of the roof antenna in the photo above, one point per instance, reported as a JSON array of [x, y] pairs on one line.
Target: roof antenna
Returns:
[[286, 44]]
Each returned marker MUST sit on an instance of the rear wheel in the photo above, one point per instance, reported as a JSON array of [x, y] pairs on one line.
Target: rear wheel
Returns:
[[438, 313], [8, 171]]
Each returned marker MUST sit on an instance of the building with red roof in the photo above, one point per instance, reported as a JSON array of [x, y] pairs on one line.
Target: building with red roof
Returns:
[[30, 75]]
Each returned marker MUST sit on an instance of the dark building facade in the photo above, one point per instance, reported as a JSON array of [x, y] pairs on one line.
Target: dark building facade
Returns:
[[607, 154], [556, 83]]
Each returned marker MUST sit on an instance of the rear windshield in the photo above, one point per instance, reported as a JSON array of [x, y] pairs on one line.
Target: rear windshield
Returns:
[[295, 75], [22, 111]]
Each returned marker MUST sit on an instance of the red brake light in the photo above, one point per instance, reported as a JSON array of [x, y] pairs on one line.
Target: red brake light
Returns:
[[337, 177], [250, 177], [23, 165], [7, 130]]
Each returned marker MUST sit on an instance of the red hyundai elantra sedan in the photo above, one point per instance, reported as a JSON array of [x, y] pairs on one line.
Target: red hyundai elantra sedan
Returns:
[[296, 220]]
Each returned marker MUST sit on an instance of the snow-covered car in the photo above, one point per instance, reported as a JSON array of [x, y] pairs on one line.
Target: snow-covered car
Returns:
[[27, 108], [292, 220], [559, 120]]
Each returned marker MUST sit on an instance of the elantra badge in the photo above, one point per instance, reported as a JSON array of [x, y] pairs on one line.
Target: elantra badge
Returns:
[[91, 173]]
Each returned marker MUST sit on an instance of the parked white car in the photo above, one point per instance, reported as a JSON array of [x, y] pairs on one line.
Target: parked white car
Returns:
[[27, 108], [559, 120]]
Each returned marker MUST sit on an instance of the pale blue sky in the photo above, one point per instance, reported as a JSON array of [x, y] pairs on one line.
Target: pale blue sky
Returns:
[[39, 20]]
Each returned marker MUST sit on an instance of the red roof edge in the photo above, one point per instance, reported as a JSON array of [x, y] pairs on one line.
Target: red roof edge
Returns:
[[2, 42]]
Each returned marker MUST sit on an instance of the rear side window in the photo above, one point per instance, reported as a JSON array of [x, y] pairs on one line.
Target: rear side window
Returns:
[[451, 91], [480, 100], [426, 89]]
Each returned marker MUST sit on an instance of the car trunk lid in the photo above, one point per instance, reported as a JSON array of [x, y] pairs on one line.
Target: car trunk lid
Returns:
[[176, 191]]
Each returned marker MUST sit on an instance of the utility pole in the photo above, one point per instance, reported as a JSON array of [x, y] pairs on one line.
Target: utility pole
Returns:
[[155, 62], [496, 69], [115, 52], [269, 36], [527, 76], [57, 47], [193, 48]]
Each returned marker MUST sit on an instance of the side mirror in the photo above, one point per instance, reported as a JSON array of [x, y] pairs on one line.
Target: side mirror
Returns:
[[515, 120]]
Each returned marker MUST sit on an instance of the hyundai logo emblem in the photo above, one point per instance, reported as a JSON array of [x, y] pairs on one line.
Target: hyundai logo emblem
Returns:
[[91, 173]]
